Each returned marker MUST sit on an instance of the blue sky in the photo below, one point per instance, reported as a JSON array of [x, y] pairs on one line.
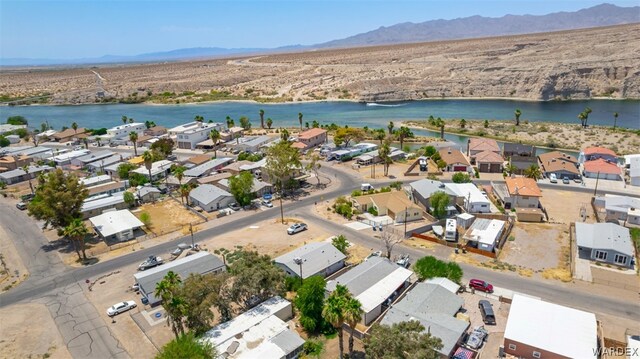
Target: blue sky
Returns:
[[91, 28]]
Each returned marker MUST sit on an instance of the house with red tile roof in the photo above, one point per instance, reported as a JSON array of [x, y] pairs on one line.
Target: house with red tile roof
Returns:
[[489, 162], [594, 153], [602, 169], [312, 137]]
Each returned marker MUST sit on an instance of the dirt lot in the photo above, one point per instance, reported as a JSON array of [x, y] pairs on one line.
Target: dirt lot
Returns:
[[564, 206], [113, 289], [167, 216], [22, 337], [539, 247], [12, 270], [496, 332]]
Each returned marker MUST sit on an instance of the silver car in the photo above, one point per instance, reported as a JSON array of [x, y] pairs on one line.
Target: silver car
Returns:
[[297, 227]]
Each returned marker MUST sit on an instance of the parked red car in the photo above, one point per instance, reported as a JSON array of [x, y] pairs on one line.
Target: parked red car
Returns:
[[481, 285]]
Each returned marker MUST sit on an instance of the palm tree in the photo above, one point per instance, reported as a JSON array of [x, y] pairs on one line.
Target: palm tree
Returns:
[[230, 122], [133, 137], [390, 127], [403, 133], [199, 119], [75, 231], [178, 172], [517, 113], [269, 122], [463, 123], [214, 135], [511, 169], [98, 139], [185, 189], [124, 120], [174, 306], [75, 127], [25, 168], [148, 162], [147, 124], [300, 119], [284, 135], [85, 142], [261, 113], [582, 117], [615, 120], [352, 315], [333, 312], [533, 172], [440, 123], [383, 153], [379, 135]]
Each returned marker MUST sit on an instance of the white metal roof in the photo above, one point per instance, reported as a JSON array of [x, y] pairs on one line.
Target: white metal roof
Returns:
[[110, 223], [156, 168], [446, 283], [561, 330], [485, 231], [469, 191]]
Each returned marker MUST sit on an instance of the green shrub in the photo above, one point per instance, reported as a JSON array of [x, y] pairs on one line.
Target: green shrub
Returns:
[[373, 211], [312, 348]]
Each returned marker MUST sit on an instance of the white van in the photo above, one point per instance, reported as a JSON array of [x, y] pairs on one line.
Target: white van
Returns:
[[366, 187], [553, 178]]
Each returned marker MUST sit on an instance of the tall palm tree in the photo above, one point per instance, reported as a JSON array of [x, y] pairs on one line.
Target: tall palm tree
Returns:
[[300, 119], [379, 135], [269, 122], [511, 169], [352, 315], [178, 172], [261, 113], [124, 120], [440, 123], [533, 172], [615, 120], [185, 190], [174, 306], [75, 231], [133, 137], [403, 133], [582, 117], [214, 135], [390, 127], [518, 113], [25, 168], [284, 135], [85, 142], [131, 120], [333, 312], [75, 127], [148, 162], [230, 122]]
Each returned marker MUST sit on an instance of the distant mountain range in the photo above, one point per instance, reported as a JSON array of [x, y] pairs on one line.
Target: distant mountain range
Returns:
[[462, 28], [478, 26]]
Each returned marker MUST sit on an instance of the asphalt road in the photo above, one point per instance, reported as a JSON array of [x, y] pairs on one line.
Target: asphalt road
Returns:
[[560, 293]]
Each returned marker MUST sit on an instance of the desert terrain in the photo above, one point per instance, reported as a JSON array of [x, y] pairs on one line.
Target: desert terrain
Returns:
[[577, 64]]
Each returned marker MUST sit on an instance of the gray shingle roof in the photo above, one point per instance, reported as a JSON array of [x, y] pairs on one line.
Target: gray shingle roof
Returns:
[[200, 263], [19, 172], [427, 187], [207, 193], [607, 236], [316, 257], [434, 307], [364, 275]]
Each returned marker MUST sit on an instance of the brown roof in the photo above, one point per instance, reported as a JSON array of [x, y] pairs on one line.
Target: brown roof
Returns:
[[396, 201], [523, 186], [69, 132], [602, 166], [489, 157], [157, 130], [299, 145], [199, 159], [598, 151], [143, 138], [452, 156], [308, 134], [105, 187], [483, 144], [214, 178], [557, 161], [236, 166]]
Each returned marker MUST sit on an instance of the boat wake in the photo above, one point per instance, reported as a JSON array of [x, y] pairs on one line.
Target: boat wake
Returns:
[[384, 105]]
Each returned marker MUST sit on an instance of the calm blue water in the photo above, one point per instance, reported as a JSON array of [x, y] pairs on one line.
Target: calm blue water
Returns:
[[342, 113]]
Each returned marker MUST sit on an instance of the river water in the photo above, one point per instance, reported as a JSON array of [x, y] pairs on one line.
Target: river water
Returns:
[[339, 112]]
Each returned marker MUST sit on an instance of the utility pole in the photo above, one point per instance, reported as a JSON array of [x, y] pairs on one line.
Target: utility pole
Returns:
[[597, 179], [191, 230], [406, 212]]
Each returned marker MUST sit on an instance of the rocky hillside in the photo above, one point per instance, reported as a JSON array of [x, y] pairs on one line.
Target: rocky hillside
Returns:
[[578, 64]]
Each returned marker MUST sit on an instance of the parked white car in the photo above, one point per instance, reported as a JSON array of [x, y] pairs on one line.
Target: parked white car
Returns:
[[121, 307], [553, 178], [297, 227], [266, 203]]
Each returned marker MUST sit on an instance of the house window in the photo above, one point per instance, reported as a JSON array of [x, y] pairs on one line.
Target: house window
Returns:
[[536, 354], [601, 255], [512, 347], [525, 197], [620, 259]]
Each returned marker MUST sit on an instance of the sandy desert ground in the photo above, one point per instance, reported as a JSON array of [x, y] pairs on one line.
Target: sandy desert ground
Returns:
[[573, 64]]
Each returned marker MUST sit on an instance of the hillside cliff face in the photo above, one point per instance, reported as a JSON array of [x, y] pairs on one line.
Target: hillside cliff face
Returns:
[[578, 64]]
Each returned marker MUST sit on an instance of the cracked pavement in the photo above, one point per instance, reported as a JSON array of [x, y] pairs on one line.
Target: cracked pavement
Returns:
[[84, 332]]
